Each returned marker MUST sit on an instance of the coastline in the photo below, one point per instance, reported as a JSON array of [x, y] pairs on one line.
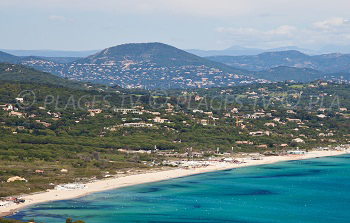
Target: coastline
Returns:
[[142, 178]]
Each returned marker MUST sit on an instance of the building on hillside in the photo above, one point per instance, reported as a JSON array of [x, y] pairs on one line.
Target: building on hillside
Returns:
[[43, 123], [270, 124], [21, 127], [259, 133], [293, 120], [7, 107], [198, 98], [94, 112], [264, 146], [16, 178], [20, 100], [244, 142], [259, 114], [322, 109], [234, 110], [277, 119], [128, 110], [204, 122], [298, 140], [161, 120], [249, 116], [139, 124], [18, 114]]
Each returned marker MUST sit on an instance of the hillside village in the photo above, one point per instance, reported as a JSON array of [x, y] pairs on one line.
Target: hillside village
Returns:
[[145, 75], [254, 127]]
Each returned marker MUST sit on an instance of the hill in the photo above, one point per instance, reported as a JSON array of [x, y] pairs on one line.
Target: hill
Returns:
[[159, 54], [143, 65], [283, 73], [149, 66], [329, 63], [23, 74], [5, 57]]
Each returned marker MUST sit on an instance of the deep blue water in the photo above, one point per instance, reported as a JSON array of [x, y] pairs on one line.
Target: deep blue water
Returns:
[[316, 190]]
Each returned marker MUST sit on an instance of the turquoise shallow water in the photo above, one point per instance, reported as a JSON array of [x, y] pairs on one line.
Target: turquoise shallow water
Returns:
[[316, 190]]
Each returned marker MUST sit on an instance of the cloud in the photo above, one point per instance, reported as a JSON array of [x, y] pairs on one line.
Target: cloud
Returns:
[[280, 33], [330, 23], [57, 18], [330, 31]]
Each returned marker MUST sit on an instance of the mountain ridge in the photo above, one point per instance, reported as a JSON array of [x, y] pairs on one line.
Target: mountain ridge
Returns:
[[244, 51], [49, 53], [328, 63], [158, 65]]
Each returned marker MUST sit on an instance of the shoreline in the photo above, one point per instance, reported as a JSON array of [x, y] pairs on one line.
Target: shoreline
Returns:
[[150, 177]]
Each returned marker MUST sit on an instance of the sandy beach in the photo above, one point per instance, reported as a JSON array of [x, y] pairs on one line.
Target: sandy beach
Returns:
[[113, 183]]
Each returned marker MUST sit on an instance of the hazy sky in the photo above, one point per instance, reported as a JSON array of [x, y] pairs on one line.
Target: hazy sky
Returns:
[[187, 24]]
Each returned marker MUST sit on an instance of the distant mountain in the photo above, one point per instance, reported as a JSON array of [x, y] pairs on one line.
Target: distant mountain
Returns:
[[239, 51], [335, 48], [294, 48], [160, 66], [328, 63], [50, 53]]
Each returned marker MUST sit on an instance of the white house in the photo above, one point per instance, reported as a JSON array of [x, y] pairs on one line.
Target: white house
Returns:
[[21, 100], [298, 140], [7, 107], [259, 133]]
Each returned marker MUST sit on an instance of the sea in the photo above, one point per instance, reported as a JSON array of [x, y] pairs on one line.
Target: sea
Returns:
[[312, 191]]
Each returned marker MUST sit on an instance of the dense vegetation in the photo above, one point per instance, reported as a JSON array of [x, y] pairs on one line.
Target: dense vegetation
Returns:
[[19, 73]]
